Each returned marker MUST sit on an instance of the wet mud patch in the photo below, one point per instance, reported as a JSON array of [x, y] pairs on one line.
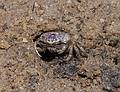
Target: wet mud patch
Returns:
[[66, 71], [110, 78]]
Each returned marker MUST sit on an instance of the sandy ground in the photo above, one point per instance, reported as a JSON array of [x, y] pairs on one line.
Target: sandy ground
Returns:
[[98, 21]]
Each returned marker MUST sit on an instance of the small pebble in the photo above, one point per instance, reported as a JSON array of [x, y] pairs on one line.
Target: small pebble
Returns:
[[36, 4], [102, 20], [25, 40], [4, 44], [69, 1]]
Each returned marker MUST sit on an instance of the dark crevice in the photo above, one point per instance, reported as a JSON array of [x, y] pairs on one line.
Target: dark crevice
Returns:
[[36, 37], [115, 61], [82, 75], [48, 56]]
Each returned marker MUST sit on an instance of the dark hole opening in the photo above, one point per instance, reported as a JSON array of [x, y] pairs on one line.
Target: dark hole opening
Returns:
[[115, 60], [48, 56], [82, 75]]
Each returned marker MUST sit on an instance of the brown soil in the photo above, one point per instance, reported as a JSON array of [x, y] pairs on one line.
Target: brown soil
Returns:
[[98, 21]]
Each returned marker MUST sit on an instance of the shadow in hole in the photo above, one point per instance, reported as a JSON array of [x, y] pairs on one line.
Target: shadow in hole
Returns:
[[48, 56]]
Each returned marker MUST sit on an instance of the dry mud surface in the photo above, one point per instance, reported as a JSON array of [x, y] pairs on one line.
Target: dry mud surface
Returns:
[[98, 22]]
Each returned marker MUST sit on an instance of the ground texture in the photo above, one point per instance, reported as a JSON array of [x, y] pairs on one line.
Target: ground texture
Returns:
[[98, 22]]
